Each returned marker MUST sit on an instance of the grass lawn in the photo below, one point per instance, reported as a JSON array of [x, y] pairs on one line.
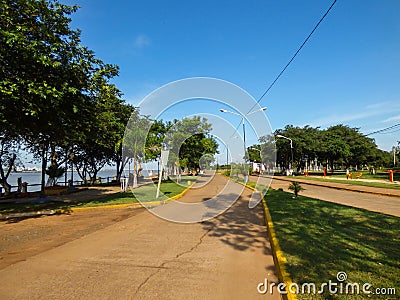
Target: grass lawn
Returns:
[[320, 239], [144, 193], [353, 181]]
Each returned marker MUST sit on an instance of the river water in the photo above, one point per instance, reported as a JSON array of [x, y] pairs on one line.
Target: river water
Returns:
[[34, 178]]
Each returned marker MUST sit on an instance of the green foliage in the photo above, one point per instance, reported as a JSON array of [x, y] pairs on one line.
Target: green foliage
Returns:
[[242, 169], [55, 172], [254, 153], [338, 144], [54, 93], [189, 140], [296, 188]]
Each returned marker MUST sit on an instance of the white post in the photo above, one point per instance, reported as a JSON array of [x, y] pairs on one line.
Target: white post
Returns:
[[164, 161], [159, 181]]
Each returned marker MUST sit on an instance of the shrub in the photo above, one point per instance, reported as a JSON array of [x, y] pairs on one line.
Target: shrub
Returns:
[[296, 188]]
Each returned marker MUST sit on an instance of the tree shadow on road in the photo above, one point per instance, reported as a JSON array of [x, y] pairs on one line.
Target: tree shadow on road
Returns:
[[240, 227]]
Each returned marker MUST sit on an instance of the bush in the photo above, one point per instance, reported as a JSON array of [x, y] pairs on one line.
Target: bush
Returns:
[[296, 188]]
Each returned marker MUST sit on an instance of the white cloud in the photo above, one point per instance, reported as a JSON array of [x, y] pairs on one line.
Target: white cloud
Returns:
[[378, 105], [338, 119], [394, 118], [142, 41], [373, 110]]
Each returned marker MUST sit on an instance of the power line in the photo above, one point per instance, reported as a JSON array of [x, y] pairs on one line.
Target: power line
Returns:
[[290, 61], [294, 56], [384, 129]]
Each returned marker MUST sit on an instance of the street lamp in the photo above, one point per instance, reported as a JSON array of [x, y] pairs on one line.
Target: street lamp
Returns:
[[71, 186], [291, 146], [243, 117], [244, 130]]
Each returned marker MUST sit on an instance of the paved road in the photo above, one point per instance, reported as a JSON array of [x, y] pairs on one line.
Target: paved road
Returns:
[[378, 203], [146, 257]]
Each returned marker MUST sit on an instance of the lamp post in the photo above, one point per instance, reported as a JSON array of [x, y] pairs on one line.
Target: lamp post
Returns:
[[158, 164], [227, 157], [291, 147], [244, 129], [71, 186]]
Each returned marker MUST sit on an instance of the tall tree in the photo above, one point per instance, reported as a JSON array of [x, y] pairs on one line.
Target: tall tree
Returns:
[[36, 71], [189, 139], [49, 82]]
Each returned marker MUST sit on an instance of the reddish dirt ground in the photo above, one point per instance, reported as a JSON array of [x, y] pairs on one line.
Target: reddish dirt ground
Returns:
[[23, 238]]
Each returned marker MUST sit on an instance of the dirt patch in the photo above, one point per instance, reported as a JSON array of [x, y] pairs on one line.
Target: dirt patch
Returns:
[[23, 238]]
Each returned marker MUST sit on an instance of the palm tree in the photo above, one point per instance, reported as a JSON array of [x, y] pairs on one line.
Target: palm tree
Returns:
[[296, 188]]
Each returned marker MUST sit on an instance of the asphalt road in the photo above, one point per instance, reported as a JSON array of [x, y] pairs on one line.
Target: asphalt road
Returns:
[[377, 203], [146, 257]]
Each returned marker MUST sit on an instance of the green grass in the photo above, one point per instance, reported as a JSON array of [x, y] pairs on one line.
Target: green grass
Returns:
[[353, 181], [320, 239], [143, 193]]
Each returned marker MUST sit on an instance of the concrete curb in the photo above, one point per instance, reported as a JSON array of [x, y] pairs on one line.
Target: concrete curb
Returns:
[[310, 182], [277, 253], [100, 207], [280, 260], [114, 206], [180, 195]]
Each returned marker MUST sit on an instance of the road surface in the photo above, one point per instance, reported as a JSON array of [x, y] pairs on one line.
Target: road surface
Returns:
[[146, 257], [377, 203]]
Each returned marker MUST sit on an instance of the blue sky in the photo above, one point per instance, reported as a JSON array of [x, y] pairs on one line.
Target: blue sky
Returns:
[[348, 72]]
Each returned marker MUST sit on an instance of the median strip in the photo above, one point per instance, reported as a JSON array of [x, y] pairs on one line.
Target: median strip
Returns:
[[277, 254]]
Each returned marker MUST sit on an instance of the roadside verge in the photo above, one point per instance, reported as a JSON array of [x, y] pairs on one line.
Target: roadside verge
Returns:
[[277, 254], [67, 210]]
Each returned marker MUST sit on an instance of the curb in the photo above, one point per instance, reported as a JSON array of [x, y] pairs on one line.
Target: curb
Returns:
[[176, 197], [309, 182], [114, 206], [277, 253]]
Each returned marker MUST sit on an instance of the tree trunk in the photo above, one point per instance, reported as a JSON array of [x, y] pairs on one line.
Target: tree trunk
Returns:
[[94, 177], [331, 165], [118, 162], [3, 177], [6, 186], [135, 172]]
